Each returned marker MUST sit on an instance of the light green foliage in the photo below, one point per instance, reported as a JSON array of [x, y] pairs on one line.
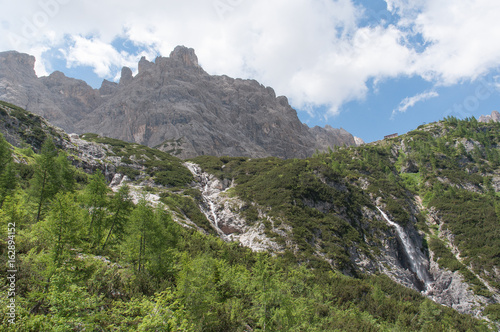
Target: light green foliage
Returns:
[[62, 227], [119, 208], [95, 200], [8, 179], [52, 174], [149, 239]]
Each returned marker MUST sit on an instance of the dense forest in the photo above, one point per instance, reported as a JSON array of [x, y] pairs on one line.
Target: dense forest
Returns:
[[89, 258]]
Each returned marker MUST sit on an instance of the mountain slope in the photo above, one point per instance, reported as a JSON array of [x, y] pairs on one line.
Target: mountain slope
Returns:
[[172, 104], [440, 183], [62, 100], [94, 261]]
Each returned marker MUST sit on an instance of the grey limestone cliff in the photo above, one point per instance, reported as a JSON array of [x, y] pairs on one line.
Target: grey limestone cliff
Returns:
[[171, 104]]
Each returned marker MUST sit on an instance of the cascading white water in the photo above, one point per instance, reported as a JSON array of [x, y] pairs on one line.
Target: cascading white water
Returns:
[[214, 215], [416, 258], [210, 211]]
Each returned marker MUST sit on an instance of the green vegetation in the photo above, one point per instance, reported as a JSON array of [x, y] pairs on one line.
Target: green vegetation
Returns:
[[186, 205], [321, 197], [158, 275], [31, 128], [296, 191], [165, 169], [458, 186], [88, 259]]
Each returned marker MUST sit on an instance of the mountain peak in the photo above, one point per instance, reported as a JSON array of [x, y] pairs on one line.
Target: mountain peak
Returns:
[[17, 63], [126, 76], [173, 104], [186, 55], [495, 117]]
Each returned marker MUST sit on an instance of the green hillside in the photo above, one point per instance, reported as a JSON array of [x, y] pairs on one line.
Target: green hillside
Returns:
[[90, 259]]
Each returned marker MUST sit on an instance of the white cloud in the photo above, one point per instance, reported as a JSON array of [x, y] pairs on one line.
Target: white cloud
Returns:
[[314, 51], [460, 37], [93, 53], [411, 101]]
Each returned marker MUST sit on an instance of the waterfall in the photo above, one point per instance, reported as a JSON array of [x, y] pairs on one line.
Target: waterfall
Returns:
[[208, 195], [214, 214], [416, 258]]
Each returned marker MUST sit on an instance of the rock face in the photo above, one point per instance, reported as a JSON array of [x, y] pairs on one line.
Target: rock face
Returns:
[[225, 213], [171, 104], [61, 100], [358, 141], [495, 117]]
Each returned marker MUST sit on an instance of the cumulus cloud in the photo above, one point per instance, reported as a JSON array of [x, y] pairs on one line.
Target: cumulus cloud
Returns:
[[93, 53], [317, 52], [459, 37], [411, 101]]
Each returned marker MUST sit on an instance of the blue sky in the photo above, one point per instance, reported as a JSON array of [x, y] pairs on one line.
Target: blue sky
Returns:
[[372, 67]]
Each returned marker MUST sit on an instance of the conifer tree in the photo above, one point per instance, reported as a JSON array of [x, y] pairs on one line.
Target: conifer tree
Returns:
[[142, 221], [63, 225], [119, 208], [66, 173], [45, 181], [8, 182], [5, 153], [52, 174], [96, 201], [7, 171]]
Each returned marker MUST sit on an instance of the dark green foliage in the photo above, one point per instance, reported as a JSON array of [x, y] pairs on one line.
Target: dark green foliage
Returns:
[[475, 223], [132, 173], [166, 169], [186, 205], [493, 312], [458, 185], [30, 128]]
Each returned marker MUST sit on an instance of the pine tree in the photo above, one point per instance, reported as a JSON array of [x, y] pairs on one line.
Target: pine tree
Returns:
[[5, 153], [141, 229], [66, 173], [163, 238], [8, 182]]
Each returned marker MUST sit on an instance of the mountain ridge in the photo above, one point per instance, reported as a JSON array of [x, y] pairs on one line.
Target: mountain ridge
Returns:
[[172, 104]]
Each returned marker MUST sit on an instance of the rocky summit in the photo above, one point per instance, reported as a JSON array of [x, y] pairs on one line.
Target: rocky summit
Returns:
[[495, 117], [171, 104]]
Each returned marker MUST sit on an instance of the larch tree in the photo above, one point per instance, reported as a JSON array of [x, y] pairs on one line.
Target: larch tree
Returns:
[[95, 200], [119, 208]]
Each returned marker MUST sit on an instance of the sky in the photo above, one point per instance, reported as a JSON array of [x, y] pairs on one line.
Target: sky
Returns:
[[372, 67]]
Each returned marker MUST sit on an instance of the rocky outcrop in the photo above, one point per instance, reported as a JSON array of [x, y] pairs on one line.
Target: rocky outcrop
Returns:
[[174, 105], [495, 117], [171, 104], [225, 213], [450, 289], [358, 141], [61, 100]]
